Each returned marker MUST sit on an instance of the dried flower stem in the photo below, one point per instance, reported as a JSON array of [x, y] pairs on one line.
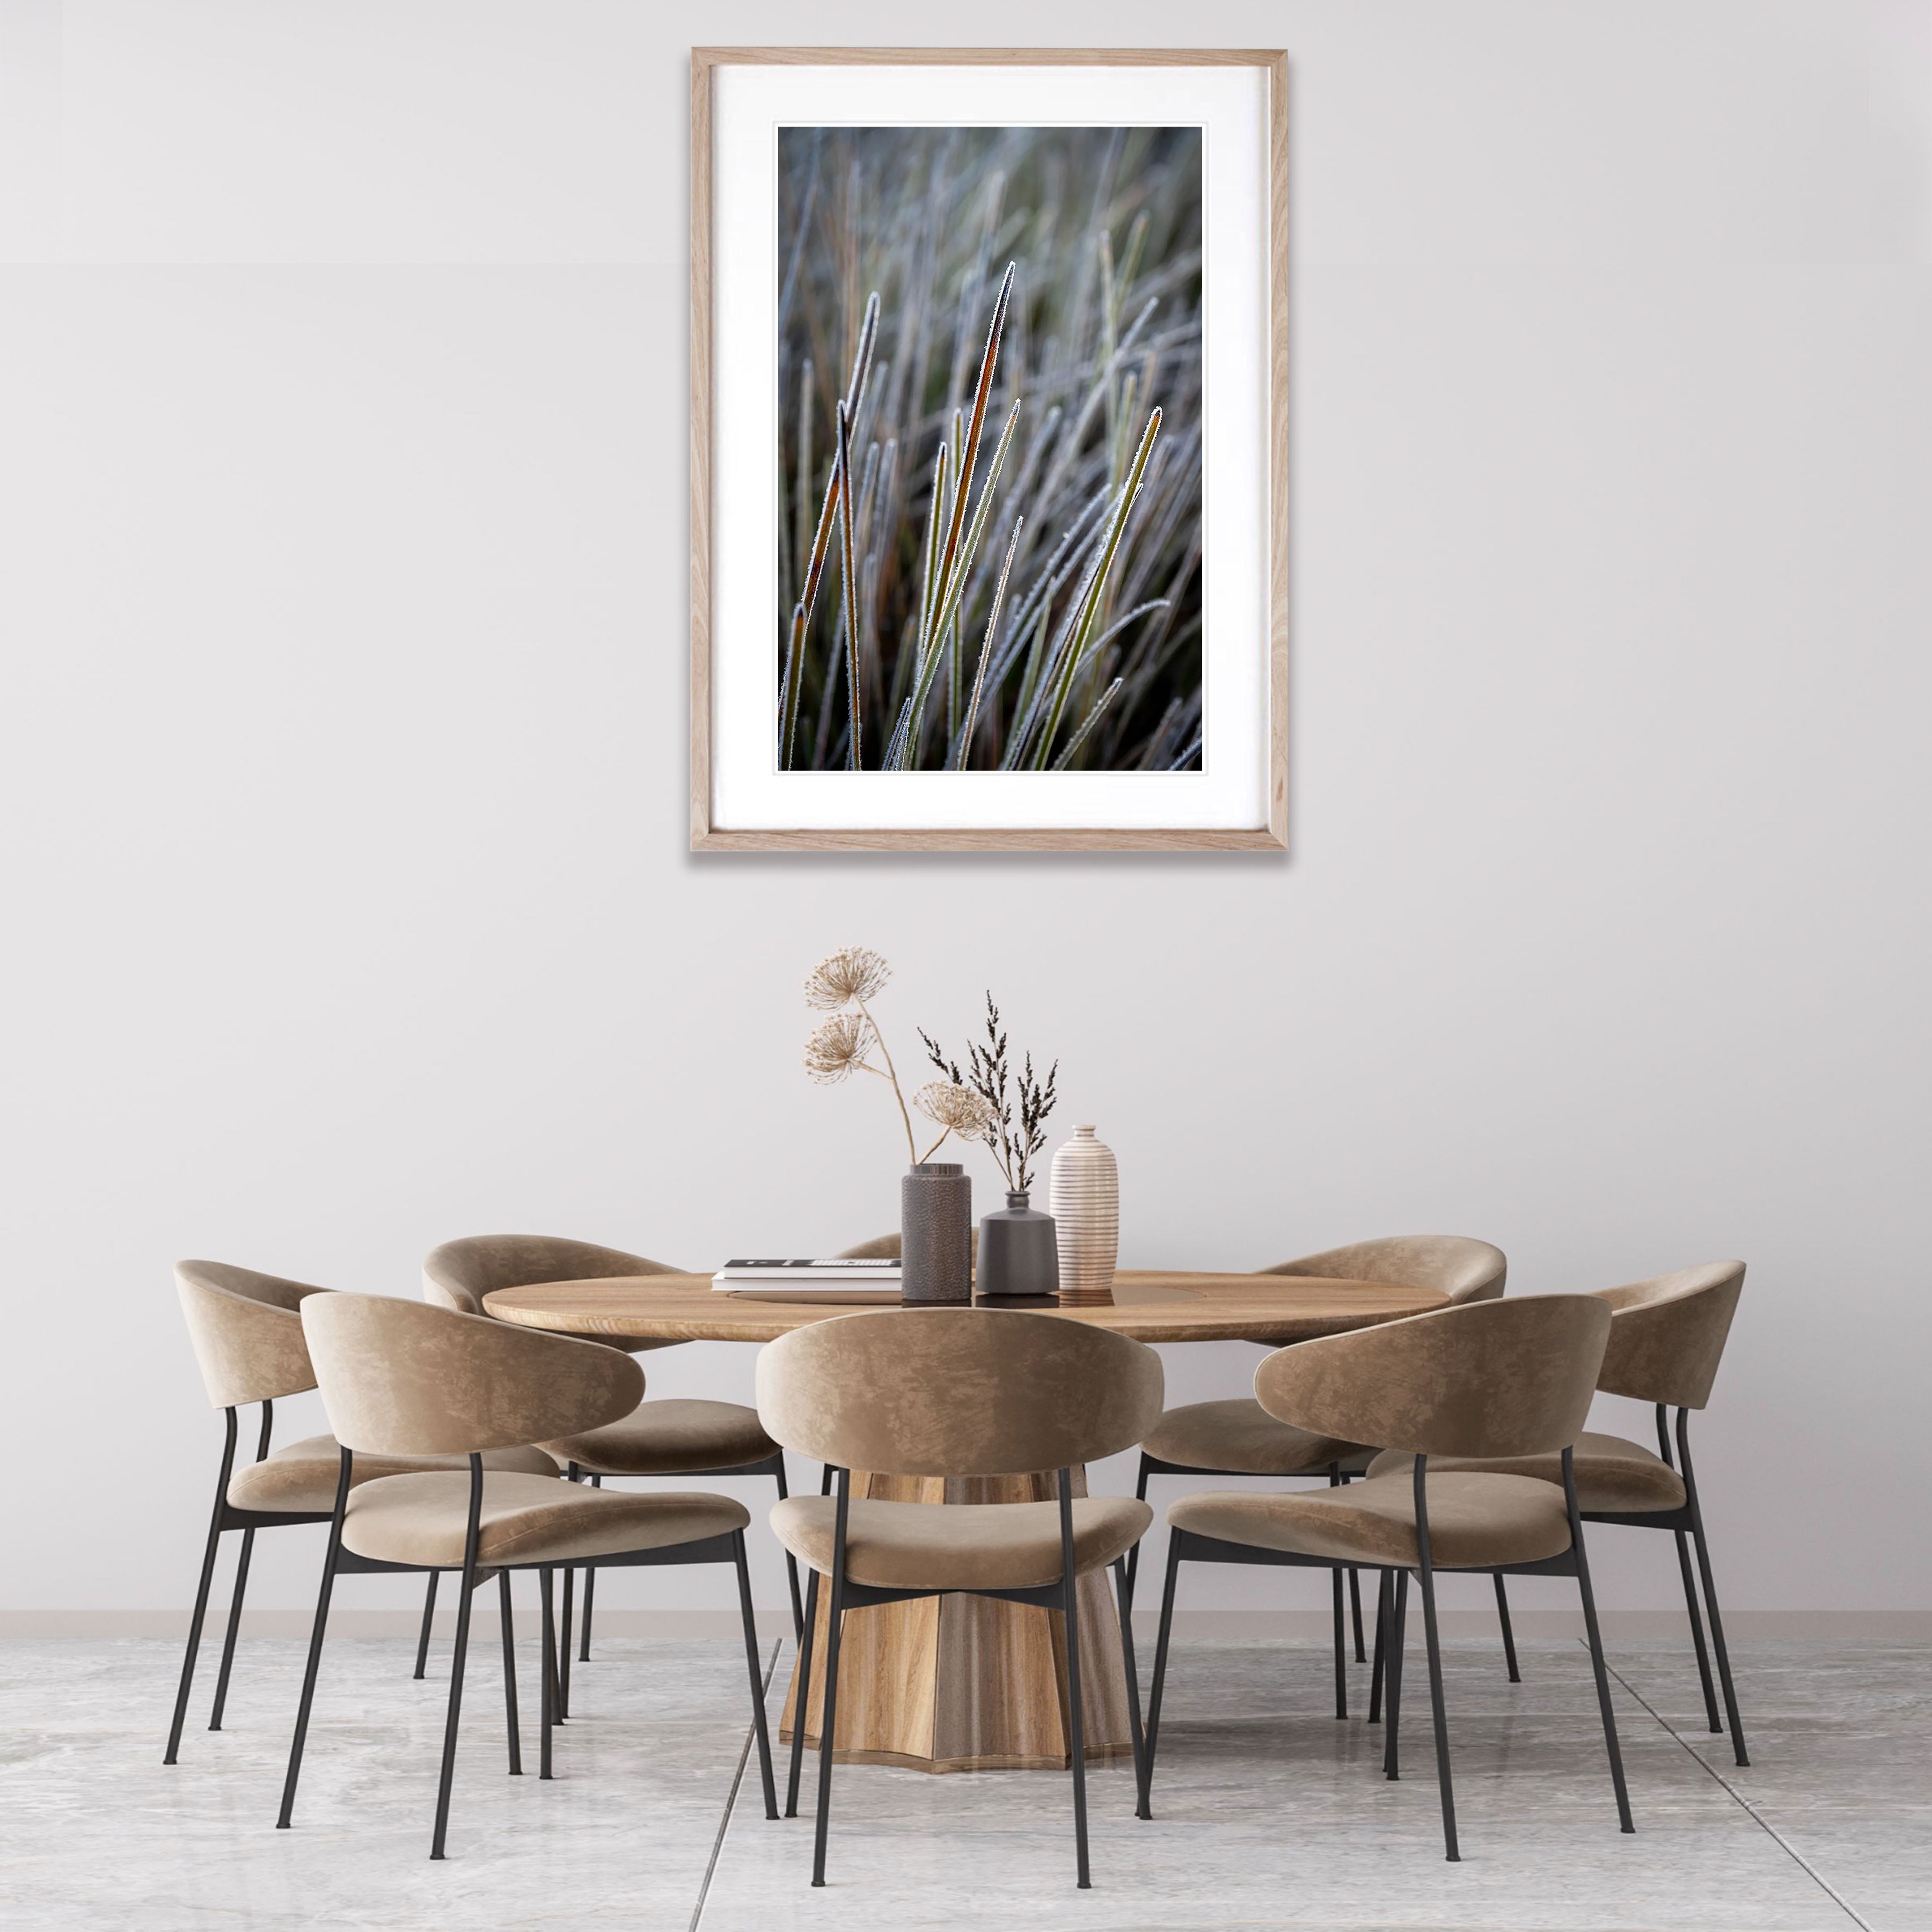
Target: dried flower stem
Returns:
[[892, 1072]]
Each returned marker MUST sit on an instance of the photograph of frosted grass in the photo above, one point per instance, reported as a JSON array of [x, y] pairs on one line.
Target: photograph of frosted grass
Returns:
[[989, 370]]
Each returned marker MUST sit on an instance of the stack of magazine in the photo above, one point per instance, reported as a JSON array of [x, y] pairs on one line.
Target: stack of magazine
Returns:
[[836, 1279]]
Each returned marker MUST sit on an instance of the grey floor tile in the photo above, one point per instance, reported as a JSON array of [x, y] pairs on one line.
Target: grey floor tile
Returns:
[[1269, 1814], [1879, 1862], [1817, 1766], [90, 1818], [1719, 1874], [1777, 1682]]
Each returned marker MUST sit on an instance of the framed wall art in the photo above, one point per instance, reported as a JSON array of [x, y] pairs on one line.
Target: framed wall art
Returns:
[[988, 454]]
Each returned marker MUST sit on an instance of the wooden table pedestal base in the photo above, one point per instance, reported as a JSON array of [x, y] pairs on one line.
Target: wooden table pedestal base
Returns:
[[961, 1683]]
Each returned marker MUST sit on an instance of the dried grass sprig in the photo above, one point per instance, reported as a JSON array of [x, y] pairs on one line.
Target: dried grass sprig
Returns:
[[1095, 316], [1088, 609], [849, 602], [988, 1074], [1085, 730], [985, 651]]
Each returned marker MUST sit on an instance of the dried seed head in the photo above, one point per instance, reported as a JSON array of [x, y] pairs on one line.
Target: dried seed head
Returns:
[[852, 973], [838, 1046]]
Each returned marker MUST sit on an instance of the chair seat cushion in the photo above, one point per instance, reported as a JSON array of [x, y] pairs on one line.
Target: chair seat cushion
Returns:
[[300, 1480], [1240, 1439], [423, 1520], [668, 1438], [1619, 1477], [958, 1546], [1473, 1520]]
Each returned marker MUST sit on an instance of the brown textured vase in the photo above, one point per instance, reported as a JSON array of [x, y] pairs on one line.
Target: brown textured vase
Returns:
[[1086, 1206], [936, 1233]]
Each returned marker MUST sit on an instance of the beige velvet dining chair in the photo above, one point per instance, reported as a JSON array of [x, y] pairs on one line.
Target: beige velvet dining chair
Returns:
[[1667, 1336], [408, 1378], [1236, 1436], [1486, 1379], [246, 1333], [675, 1436], [877, 1248], [956, 1392]]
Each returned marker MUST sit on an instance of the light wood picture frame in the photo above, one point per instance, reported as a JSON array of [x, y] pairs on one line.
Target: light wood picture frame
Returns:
[[765, 646]]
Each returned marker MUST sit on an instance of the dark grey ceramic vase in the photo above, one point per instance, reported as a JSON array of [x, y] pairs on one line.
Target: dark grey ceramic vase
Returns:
[[936, 1233], [1019, 1252]]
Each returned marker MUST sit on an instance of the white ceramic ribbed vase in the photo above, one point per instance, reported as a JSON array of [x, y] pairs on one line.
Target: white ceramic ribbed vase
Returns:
[[1086, 1210]]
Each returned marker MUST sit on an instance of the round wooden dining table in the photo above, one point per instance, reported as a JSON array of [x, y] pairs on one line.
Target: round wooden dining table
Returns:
[[961, 1683]]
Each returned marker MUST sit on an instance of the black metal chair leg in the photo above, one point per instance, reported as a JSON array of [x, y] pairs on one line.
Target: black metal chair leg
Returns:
[[1346, 1477], [1425, 1573], [457, 1659], [1724, 1678], [1336, 1481], [1134, 1555], [565, 1639], [428, 1617], [1439, 1712], [548, 1722], [504, 1613], [1509, 1634], [797, 1598], [1341, 1648], [1392, 1678], [1160, 1650], [1076, 1712], [791, 1561], [1124, 1602], [828, 1725], [802, 1700], [1076, 1731], [1598, 1665], [758, 1724], [1710, 1689], [241, 1586], [1704, 1678], [1384, 1610], [589, 1595], [234, 1626], [330, 1557], [194, 1623], [590, 1600], [1697, 1537]]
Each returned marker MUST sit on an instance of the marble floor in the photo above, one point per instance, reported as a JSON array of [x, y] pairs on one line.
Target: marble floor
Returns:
[[1269, 1812]]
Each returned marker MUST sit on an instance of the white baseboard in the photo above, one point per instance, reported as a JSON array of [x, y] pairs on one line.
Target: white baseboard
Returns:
[[1192, 1626]]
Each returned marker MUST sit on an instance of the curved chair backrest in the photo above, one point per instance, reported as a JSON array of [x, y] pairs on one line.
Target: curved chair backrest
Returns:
[[405, 1378], [1457, 1265], [957, 1391], [1667, 1333], [460, 1273], [1489, 1379], [247, 1336]]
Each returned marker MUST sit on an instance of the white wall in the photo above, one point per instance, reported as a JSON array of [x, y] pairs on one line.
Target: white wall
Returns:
[[342, 499]]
